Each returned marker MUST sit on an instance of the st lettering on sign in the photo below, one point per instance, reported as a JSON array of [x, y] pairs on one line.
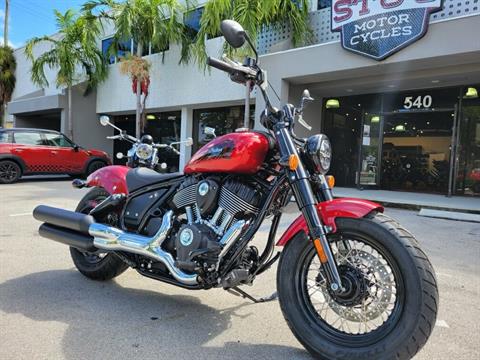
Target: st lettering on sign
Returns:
[[379, 28]]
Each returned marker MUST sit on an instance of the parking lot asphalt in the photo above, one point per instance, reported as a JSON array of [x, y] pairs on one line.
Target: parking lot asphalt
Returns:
[[50, 311]]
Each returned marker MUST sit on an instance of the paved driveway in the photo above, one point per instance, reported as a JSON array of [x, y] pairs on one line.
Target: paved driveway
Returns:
[[49, 311]]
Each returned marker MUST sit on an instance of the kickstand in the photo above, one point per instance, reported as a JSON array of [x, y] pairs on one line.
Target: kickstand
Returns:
[[239, 292]]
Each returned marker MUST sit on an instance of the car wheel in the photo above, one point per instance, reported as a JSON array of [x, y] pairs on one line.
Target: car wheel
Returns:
[[10, 172], [94, 166]]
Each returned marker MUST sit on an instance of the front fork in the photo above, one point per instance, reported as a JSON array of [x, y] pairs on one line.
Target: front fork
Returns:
[[299, 181]]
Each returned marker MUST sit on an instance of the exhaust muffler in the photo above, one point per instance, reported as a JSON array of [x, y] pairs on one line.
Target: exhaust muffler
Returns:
[[82, 232]]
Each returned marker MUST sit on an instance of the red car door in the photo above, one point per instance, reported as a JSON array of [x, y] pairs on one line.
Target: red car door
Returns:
[[29, 145], [66, 154]]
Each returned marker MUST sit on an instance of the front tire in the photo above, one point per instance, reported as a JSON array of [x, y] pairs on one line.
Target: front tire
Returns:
[[96, 266], [394, 326]]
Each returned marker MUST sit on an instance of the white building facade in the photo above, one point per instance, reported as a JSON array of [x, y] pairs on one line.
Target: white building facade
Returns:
[[408, 122]]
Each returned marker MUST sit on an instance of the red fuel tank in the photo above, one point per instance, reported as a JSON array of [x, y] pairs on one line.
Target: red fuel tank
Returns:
[[239, 153]]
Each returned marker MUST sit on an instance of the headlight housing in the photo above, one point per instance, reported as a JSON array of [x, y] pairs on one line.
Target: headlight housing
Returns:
[[319, 153], [144, 151]]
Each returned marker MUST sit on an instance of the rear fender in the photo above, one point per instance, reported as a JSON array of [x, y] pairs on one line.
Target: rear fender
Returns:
[[111, 178], [329, 211]]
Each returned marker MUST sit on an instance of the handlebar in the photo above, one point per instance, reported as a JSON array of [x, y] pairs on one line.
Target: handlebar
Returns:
[[221, 65]]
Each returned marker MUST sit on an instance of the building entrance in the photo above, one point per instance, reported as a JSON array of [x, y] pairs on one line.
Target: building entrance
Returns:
[[416, 151], [419, 140]]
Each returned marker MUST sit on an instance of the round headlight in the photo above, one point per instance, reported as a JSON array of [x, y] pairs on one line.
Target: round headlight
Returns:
[[319, 152], [144, 151]]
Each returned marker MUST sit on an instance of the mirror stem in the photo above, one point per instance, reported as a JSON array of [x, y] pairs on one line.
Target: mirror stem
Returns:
[[252, 46]]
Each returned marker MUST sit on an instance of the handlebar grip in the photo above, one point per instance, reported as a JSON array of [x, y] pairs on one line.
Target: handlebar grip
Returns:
[[220, 65]]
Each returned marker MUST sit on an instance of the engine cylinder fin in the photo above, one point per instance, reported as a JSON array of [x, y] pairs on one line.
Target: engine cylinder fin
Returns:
[[233, 204], [186, 196]]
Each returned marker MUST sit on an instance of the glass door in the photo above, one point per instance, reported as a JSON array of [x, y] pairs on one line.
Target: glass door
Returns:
[[370, 151], [467, 178]]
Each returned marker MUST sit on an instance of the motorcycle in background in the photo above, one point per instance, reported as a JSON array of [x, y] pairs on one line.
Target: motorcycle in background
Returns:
[[352, 282], [144, 152]]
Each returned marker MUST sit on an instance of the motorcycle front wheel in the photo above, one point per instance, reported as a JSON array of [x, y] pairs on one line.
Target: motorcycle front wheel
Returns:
[[389, 306]]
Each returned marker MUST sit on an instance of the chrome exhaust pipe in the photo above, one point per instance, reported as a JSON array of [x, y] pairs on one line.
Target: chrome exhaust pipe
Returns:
[[109, 238], [80, 231]]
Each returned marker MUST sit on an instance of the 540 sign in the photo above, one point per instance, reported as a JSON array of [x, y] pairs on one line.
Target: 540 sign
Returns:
[[378, 28], [419, 102]]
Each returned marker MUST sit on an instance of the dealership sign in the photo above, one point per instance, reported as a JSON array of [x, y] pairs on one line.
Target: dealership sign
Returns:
[[379, 28]]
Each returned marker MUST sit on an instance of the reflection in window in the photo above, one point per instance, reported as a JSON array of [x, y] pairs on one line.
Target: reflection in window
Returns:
[[223, 120], [105, 50], [124, 48], [191, 20], [28, 138], [323, 4], [3, 137], [57, 140]]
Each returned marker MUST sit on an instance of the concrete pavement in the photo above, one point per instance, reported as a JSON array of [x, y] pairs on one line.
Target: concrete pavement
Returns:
[[50, 311]]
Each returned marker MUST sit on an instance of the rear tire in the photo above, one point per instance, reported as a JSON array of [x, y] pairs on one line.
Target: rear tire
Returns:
[[96, 266], [10, 172], [405, 330]]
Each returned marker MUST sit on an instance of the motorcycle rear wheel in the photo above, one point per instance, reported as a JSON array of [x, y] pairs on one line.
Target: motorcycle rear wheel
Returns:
[[391, 310], [96, 266]]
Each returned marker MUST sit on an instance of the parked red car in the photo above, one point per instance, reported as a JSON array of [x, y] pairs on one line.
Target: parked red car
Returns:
[[37, 151]]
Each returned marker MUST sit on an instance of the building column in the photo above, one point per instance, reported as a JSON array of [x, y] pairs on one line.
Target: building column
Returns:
[[63, 121], [186, 129]]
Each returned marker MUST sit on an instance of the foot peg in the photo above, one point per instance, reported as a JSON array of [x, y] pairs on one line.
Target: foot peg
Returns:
[[238, 292]]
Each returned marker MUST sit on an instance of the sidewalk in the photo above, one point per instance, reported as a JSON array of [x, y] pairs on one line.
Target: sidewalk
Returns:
[[412, 200]]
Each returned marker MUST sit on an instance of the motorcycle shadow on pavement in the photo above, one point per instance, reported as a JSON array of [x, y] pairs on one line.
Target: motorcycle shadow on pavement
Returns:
[[106, 320]]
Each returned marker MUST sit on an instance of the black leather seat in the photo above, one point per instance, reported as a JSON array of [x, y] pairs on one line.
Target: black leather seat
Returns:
[[141, 177]]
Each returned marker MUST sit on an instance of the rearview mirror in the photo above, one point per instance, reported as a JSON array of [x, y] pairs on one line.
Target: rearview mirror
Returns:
[[104, 120], [233, 32], [209, 131], [306, 95]]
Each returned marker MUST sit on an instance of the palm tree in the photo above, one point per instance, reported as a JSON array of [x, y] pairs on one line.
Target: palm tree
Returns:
[[158, 23], [73, 54], [254, 15], [8, 65]]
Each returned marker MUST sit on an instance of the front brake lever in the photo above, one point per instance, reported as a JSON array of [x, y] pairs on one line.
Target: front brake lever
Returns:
[[303, 122]]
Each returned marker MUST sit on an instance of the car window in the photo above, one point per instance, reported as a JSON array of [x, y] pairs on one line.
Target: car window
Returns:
[[57, 140], [3, 137], [28, 138]]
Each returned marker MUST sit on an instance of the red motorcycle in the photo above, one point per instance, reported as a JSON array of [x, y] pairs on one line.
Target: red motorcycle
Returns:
[[352, 283]]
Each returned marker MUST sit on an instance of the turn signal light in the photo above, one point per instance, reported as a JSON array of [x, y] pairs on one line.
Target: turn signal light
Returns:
[[330, 181], [320, 252], [293, 162]]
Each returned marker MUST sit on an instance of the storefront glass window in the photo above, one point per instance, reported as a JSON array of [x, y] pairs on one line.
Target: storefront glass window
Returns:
[[163, 127], [351, 123], [406, 141], [225, 120], [468, 154]]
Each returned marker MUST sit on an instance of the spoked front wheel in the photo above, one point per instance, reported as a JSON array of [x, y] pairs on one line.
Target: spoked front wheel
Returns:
[[389, 305]]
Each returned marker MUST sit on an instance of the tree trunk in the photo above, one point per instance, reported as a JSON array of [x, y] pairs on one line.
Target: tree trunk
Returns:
[[139, 98], [3, 121], [70, 120]]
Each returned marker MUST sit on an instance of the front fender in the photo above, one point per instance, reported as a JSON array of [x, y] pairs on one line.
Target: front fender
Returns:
[[111, 178], [329, 211]]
